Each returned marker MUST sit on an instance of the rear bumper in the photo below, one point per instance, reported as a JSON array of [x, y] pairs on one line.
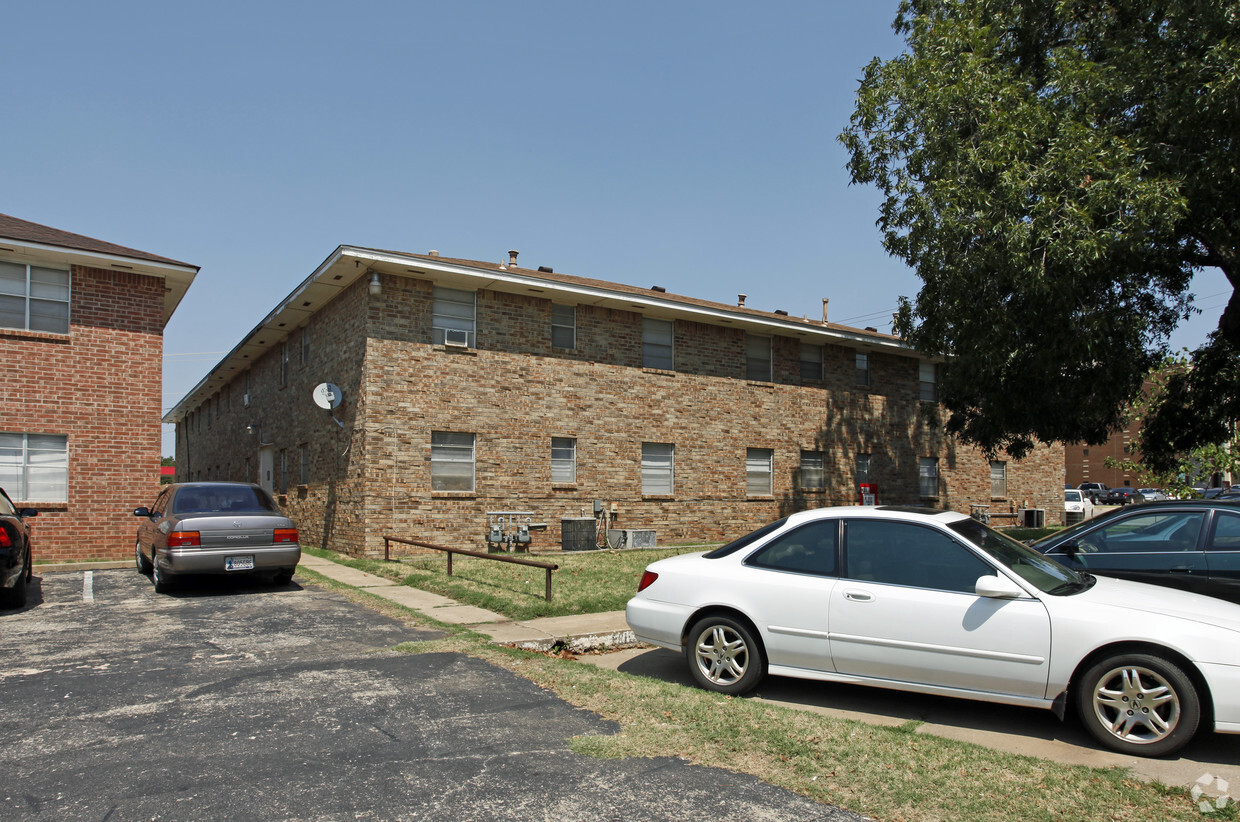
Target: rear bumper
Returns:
[[212, 560]]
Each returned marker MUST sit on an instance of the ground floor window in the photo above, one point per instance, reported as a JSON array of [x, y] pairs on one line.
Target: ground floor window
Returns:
[[929, 474], [998, 479], [563, 460], [35, 467], [658, 468], [813, 469], [452, 461], [759, 472]]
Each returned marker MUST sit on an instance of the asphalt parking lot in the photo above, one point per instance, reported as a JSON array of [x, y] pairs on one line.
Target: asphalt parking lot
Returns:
[[232, 701]]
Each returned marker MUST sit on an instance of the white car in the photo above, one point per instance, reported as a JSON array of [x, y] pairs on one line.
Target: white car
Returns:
[[1077, 506], [936, 602]]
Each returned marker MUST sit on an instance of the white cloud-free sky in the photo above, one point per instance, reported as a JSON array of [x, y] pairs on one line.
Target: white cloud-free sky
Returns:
[[684, 144]]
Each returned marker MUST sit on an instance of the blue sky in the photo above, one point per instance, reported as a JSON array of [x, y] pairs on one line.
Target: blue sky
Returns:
[[684, 144]]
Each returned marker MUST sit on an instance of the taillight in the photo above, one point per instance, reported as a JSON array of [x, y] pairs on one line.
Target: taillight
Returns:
[[284, 535], [6, 541], [183, 539], [648, 577]]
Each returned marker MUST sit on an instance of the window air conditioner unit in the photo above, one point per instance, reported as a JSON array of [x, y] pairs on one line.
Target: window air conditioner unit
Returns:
[[456, 338]]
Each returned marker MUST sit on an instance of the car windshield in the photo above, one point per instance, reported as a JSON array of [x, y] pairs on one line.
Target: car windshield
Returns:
[[1038, 570], [201, 499]]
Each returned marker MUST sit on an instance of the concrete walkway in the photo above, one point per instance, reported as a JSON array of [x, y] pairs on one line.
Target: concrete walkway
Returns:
[[576, 633]]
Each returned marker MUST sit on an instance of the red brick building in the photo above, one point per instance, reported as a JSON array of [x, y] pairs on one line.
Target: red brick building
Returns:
[[81, 348], [471, 387]]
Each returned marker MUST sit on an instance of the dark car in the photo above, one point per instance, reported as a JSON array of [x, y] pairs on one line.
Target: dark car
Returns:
[[1123, 495], [1189, 544], [16, 558], [215, 528]]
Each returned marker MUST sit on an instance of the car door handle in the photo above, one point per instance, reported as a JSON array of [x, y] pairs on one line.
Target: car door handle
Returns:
[[1181, 569], [859, 596]]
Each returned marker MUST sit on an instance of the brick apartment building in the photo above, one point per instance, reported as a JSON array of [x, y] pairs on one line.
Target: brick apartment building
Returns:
[[81, 347], [471, 387]]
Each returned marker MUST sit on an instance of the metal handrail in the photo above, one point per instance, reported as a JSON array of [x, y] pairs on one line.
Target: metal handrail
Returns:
[[548, 566]]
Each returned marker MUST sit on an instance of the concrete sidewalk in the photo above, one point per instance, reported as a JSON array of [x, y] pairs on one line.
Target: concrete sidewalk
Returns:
[[576, 633]]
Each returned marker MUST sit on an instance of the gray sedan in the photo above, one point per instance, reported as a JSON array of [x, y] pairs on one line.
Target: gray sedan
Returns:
[[215, 528]]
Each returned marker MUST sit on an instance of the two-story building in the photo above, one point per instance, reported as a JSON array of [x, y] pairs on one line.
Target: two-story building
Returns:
[[81, 348], [468, 387]]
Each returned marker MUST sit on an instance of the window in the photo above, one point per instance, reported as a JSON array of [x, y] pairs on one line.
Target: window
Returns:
[[658, 468], [33, 298], [284, 363], [1226, 536], [305, 346], [563, 326], [928, 382], [757, 358], [1145, 532], [657, 351], [452, 461], [452, 310], [998, 479], [35, 467], [759, 472], [863, 468], [305, 464], [813, 469], [863, 369], [901, 553], [810, 549], [563, 460], [811, 362], [928, 470]]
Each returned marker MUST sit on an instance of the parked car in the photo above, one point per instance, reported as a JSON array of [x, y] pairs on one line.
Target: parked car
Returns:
[[1096, 491], [1191, 544], [1123, 495], [215, 528], [1076, 506], [1232, 493], [937, 602], [1152, 494], [16, 557]]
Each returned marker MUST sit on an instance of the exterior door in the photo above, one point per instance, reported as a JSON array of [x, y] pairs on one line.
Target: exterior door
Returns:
[[906, 610], [266, 468]]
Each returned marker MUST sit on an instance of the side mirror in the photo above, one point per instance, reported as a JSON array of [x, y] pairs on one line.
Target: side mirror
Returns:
[[142, 512], [1070, 549], [997, 587]]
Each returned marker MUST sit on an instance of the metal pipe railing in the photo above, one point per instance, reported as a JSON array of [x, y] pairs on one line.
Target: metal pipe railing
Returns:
[[547, 566]]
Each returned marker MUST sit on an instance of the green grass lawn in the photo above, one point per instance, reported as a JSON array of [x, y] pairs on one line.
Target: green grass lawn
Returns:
[[586, 582]]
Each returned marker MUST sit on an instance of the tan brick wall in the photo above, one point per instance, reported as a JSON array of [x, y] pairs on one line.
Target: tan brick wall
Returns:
[[515, 392], [100, 385]]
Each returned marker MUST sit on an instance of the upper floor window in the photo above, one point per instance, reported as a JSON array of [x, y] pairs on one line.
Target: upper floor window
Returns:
[[305, 346], [928, 382], [657, 349], [35, 467], [563, 460], [759, 472], [757, 358], [658, 468], [811, 361], [563, 326], [452, 461], [33, 298], [283, 363], [453, 317], [863, 369]]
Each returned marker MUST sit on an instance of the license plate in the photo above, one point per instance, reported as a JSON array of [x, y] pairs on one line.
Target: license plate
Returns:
[[238, 563]]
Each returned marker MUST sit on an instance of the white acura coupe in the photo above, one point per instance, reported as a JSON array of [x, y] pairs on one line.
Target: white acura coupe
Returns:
[[936, 602]]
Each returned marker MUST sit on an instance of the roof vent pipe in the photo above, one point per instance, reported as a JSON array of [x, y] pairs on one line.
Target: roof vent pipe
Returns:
[[433, 253], [824, 308], [512, 258], [740, 300]]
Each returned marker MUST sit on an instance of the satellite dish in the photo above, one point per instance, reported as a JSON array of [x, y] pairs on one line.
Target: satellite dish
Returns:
[[326, 395]]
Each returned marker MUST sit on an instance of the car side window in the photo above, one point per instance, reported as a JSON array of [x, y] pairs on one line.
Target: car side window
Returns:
[[1152, 531], [810, 549], [901, 553], [1225, 535], [160, 504]]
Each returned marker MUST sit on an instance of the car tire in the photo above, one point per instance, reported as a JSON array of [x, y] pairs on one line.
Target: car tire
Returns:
[[163, 580], [144, 564], [14, 597], [282, 577], [724, 656], [1138, 704]]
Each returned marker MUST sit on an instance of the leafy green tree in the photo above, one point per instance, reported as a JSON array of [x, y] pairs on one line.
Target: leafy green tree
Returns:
[[1055, 171]]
